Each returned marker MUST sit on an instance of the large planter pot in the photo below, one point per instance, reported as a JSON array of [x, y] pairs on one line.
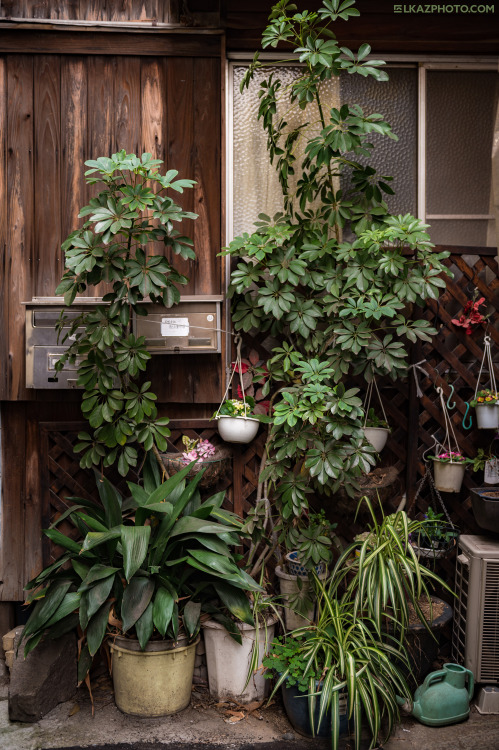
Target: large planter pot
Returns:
[[448, 475], [485, 504], [487, 416], [377, 436], [296, 568], [292, 589], [228, 662], [297, 711], [237, 429], [422, 646], [153, 682], [215, 468]]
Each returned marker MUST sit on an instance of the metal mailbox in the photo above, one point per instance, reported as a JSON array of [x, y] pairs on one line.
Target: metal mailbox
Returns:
[[191, 327], [42, 347]]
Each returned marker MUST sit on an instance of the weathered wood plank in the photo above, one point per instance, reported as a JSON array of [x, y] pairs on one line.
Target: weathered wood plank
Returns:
[[47, 125], [4, 281], [74, 102], [33, 521], [207, 139], [12, 551], [127, 104], [153, 109], [95, 42], [20, 241]]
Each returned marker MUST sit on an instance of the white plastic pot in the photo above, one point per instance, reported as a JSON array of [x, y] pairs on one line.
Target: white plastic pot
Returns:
[[290, 590], [228, 662], [448, 475], [487, 416], [237, 429], [377, 436]]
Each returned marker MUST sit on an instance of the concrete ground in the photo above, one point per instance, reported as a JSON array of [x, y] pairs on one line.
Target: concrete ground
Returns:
[[207, 725]]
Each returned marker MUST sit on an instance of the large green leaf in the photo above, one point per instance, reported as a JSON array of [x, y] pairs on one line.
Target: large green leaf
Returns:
[[192, 613], [97, 595], [191, 525], [62, 540], [68, 605], [84, 664], [135, 540], [95, 573], [136, 597], [212, 542], [163, 609], [111, 500], [97, 628], [144, 626], [94, 538], [46, 572], [46, 607], [68, 623], [235, 600], [241, 579], [216, 563]]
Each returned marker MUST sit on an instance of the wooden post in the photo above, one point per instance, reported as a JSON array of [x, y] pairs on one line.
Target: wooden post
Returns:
[[411, 474]]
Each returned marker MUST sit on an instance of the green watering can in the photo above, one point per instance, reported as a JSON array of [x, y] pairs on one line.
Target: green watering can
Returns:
[[443, 698]]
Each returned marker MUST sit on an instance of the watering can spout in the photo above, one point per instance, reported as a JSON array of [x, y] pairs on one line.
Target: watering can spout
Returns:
[[443, 698]]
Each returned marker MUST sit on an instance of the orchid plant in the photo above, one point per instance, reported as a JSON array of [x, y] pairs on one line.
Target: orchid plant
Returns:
[[196, 450]]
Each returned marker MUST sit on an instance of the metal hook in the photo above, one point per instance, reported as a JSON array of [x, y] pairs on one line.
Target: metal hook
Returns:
[[449, 404], [467, 426]]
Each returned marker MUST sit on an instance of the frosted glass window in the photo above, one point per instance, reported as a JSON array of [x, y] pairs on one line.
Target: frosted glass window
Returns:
[[458, 232], [256, 185], [397, 100], [460, 119]]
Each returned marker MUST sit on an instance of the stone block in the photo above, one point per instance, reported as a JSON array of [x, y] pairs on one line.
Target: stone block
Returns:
[[7, 620], [9, 638], [9, 658], [200, 649], [48, 676]]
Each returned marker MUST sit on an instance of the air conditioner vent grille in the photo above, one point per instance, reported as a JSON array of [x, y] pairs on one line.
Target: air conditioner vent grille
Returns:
[[489, 667]]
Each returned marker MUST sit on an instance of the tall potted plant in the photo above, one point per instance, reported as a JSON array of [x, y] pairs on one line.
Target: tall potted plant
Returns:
[[329, 278], [144, 568], [131, 210]]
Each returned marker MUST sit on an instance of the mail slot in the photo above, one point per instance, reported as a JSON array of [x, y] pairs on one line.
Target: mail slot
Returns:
[[43, 349], [191, 327]]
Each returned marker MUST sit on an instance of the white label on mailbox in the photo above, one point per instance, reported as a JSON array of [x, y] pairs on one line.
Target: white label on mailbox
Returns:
[[175, 326]]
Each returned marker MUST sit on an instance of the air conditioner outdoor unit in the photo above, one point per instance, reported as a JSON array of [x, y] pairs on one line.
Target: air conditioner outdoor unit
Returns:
[[475, 637]]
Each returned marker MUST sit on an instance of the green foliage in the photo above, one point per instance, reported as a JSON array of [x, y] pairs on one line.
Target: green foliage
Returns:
[[343, 654], [332, 280], [130, 212], [312, 539], [151, 560], [374, 421]]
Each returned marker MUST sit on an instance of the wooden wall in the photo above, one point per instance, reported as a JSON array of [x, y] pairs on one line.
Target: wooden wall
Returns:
[[65, 97]]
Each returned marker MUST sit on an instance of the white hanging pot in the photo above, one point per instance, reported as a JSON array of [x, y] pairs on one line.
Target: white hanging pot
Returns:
[[487, 416], [377, 436], [228, 662], [237, 429], [448, 476]]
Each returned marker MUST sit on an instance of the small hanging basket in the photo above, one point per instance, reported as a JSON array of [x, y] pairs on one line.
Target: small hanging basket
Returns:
[[449, 464], [487, 412], [216, 468], [377, 436], [240, 427], [438, 538], [448, 475]]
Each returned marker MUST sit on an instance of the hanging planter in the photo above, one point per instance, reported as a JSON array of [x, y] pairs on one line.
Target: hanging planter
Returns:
[[448, 470], [215, 460], [376, 430], [486, 401], [437, 538]]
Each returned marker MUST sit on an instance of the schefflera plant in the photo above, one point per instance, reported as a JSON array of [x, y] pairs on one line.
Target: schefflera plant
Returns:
[[131, 211], [330, 282]]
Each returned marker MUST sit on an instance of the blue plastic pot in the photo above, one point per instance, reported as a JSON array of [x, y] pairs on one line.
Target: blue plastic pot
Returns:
[[296, 706]]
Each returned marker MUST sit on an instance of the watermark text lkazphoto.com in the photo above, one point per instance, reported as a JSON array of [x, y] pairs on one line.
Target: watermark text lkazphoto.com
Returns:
[[445, 8]]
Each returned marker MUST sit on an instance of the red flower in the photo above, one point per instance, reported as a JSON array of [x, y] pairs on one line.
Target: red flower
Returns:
[[244, 367], [470, 317]]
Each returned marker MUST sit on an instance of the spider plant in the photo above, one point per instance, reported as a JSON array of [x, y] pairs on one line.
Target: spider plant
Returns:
[[385, 577], [343, 654]]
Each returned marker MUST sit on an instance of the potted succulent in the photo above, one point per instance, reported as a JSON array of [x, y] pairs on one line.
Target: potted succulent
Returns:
[[448, 470], [201, 454], [436, 538], [138, 579], [338, 672], [376, 430], [486, 404], [236, 421]]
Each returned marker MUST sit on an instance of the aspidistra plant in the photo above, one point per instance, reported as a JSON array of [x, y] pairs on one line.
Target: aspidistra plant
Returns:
[[113, 246]]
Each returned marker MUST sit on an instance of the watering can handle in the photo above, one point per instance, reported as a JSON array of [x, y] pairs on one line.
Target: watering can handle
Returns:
[[471, 683], [434, 677]]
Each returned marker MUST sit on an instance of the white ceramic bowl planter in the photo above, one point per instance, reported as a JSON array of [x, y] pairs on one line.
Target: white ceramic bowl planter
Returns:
[[237, 429], [448, 475], [228, 662], [377, 436], [487, 416]]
